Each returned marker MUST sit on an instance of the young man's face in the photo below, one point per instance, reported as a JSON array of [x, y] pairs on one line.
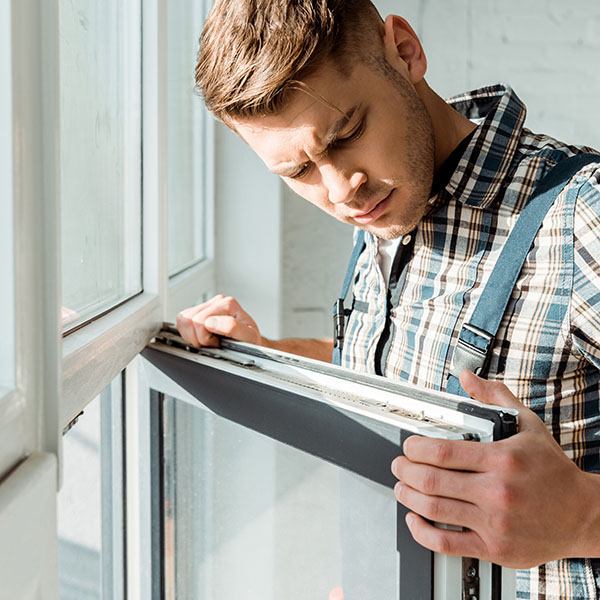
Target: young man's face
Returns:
[[373, 169]]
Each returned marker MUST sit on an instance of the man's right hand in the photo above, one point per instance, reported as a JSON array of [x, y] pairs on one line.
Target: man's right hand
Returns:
[[221, 316]]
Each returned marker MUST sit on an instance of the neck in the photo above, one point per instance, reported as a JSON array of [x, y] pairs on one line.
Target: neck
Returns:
[[449, 126]]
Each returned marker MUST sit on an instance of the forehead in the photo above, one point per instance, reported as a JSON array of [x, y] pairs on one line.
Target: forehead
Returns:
[[322, 102]]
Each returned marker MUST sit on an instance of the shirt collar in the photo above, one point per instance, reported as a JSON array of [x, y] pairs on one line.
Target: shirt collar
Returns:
[[490, 153]]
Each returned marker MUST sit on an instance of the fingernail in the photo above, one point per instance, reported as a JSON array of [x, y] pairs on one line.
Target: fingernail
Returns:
[[211, 322], [410, 519], [395, 467], [398, 488]]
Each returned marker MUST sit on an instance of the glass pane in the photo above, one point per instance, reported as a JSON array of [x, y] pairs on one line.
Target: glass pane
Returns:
[[90, 503], [185, 138], [7, 324], [248, 517], [100, 133]]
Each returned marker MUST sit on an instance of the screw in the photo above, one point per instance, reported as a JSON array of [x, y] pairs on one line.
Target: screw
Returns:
[[471, 572]]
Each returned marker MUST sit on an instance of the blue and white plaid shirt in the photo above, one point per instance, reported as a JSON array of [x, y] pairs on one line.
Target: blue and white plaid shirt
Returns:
[[548, 347]]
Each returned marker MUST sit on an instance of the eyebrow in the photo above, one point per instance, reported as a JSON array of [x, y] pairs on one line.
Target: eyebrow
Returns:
[[330, 139]]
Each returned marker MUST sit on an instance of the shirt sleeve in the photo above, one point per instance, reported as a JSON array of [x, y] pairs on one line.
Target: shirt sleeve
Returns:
[[585, 300]]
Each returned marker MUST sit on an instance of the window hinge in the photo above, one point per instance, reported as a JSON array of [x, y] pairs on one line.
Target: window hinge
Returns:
[[71, 423], [470, 573]]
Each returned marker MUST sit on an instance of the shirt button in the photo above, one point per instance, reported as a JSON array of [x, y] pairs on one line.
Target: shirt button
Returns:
[[406, 240]]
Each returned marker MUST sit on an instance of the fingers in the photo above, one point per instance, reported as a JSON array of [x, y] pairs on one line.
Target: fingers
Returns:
[[434, 481], [437, 508], [190, 323], [186, 328], [449, 454], [221, 316], [336, 594], [226, 326], [445, 541]]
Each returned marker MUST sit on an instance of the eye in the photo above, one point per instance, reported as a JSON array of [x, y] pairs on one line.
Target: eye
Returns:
[[354, 135], [301, 173]]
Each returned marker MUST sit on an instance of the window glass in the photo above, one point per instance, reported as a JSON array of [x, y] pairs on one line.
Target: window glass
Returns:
[[249, 517], [90, 503], [100, 145], [186, 173], [7, 346]]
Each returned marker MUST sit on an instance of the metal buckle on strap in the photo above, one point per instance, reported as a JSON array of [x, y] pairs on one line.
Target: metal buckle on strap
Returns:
[[338, 323], [471, 357]]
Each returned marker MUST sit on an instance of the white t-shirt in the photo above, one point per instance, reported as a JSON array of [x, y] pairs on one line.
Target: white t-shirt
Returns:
[[385, 256]]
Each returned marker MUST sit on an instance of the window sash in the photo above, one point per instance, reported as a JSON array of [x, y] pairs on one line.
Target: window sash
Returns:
[[364, 443], [101, 158], [105, 346]]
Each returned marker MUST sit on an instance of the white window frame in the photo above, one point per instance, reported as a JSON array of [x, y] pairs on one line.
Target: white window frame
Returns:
[[56, 378], [95, 354], [104, 347], [29, 433]]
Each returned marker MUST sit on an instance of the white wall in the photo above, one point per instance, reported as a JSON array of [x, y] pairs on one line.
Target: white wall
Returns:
[[547, 50], [248, 244]]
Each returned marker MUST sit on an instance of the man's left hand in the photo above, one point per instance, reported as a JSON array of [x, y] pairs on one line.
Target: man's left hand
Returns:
[[522, 501]]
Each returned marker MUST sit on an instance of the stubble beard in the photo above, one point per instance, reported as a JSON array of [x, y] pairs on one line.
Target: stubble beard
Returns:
[[419, 158]]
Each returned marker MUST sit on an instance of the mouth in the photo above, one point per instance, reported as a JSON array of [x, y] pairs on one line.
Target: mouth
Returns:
[[366, 217]]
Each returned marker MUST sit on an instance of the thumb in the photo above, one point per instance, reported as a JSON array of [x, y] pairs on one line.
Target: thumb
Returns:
[[494, 392], [488, 392]]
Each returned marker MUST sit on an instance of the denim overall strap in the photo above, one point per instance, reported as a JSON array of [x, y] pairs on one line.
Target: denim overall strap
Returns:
[[475, 343], [339, 312]]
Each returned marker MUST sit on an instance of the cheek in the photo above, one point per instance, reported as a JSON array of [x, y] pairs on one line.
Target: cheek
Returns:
[[388, 152], [315, 194]]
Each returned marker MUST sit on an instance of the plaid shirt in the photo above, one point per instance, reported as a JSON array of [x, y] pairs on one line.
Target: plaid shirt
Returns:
[[548, 346]]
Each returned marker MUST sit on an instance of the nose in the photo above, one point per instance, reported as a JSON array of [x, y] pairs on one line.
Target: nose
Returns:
[[341, 186]]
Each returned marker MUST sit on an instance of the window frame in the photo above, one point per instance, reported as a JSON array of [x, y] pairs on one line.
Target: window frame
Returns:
[[106, 345], [55, 377], [29, 436], [94, 354], [361, 444]]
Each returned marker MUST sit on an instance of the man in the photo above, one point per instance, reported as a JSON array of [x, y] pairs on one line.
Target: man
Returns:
[[334, 101]]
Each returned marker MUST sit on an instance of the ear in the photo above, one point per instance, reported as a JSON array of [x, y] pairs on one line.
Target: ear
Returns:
[[402, 49]]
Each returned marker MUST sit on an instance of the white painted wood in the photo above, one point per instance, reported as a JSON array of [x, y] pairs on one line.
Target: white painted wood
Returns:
[[197, 282], [138, 453], [97, 353], [36, 189], [29, 413], [7, 343], [155, 167], [133, 467], [29, 566], [44, 384]]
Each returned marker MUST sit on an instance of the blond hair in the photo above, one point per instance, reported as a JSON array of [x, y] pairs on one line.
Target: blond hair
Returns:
[[253, 52]]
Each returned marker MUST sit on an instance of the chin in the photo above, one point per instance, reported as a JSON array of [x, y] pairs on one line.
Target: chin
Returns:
[[391, 232], [389, 228]]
